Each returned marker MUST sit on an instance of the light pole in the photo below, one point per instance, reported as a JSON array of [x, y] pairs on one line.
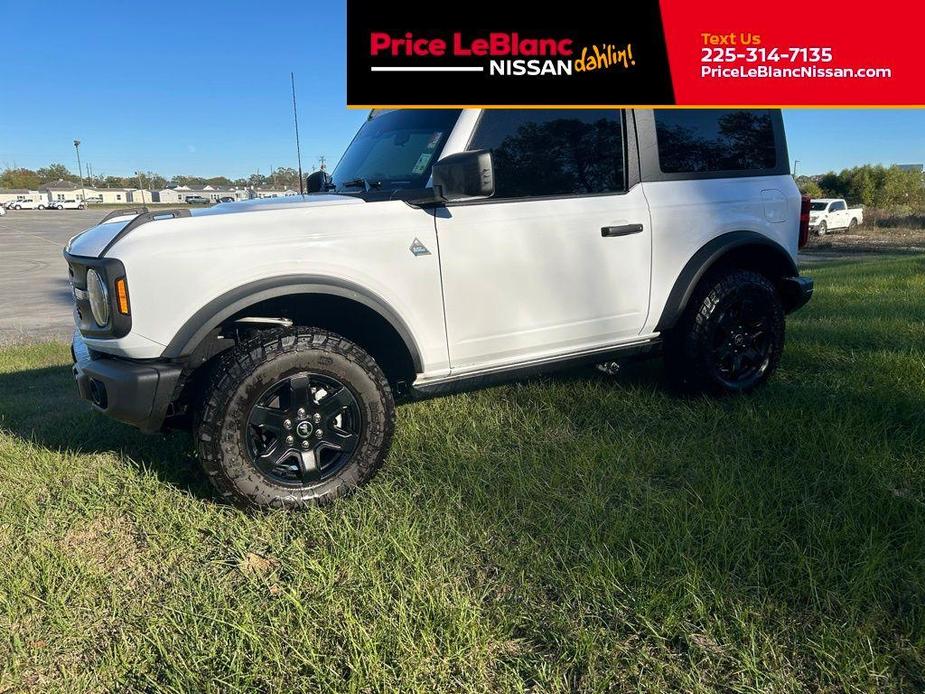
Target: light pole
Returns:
[[80, 171], [795, 162]]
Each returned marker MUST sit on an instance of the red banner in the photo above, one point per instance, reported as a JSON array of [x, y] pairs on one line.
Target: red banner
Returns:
[[790, 53]]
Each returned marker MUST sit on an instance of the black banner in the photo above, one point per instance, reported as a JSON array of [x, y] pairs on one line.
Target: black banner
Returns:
[[440, 54]]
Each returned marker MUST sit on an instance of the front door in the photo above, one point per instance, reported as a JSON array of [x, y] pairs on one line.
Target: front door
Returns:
[[558, 261]]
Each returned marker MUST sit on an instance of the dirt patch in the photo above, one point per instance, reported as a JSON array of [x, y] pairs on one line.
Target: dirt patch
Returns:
[[112, 545], [870, 240], [256, 565]]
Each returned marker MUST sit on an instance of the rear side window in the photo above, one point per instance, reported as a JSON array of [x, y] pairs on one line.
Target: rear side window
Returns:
[[708, 140], [838, 207], [553, 152]]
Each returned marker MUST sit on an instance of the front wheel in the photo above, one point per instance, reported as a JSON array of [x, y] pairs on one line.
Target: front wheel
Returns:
[[822, 229], [41, 207], [293, 419], [731, 336]]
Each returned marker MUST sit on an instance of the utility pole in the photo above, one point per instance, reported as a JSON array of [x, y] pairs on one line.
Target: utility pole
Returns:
[[298, 148], [795, 162], [321, 162], [83, 192], [141, 187]]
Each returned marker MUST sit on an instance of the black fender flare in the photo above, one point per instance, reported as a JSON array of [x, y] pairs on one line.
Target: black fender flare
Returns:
[[708, 255], [217, 311]]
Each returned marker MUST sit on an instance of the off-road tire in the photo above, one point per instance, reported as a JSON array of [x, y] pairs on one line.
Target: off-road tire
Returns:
[[822, 229], [690, 346], [237, 381], [852, 226]]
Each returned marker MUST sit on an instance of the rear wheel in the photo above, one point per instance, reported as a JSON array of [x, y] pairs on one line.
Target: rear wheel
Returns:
[[731, 336], [294, 418], [852, 225], [41, 207]]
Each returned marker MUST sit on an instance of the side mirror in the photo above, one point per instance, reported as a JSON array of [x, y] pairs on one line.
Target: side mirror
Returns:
[[465, 175], [318, 182]]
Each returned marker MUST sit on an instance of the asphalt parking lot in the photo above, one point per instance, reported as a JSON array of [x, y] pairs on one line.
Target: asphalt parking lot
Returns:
[[35, 299]]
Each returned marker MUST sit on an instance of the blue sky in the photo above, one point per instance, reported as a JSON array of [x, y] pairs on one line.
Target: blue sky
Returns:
[[203, 89]]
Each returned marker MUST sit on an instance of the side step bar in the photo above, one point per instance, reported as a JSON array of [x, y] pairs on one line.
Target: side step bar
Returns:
[[484, 379]]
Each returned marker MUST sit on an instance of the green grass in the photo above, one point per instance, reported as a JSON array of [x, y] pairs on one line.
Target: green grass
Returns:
[[571, 534]]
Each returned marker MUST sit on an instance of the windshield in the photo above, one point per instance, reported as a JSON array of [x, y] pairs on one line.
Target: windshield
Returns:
[[818, 206], [394, 150]]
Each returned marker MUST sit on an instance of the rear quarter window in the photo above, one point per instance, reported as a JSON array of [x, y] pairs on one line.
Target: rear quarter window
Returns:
[[712, 140]]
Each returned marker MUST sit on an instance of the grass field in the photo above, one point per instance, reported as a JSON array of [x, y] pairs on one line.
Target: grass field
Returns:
[[576, 533]]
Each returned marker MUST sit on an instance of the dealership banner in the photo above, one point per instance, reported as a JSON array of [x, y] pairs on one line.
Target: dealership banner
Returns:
[[646, 53]]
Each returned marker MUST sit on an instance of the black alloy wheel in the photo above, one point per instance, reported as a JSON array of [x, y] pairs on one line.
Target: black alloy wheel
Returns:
[[293, 418], [730, 337], [303, 429], [742, 339]]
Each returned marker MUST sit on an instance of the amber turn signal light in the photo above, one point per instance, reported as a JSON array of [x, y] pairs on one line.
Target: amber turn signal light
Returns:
[[122, 296]]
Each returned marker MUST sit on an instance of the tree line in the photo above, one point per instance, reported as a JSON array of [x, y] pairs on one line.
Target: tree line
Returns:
[[18, 177], [889, 188]]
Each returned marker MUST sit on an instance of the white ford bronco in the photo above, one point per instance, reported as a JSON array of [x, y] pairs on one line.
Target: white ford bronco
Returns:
[[448, 249]]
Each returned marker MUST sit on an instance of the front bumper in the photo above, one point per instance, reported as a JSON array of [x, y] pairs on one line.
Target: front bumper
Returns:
[[796, 292], [137, 393]]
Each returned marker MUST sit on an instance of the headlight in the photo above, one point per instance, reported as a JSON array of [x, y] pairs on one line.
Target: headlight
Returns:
[[99, 298]]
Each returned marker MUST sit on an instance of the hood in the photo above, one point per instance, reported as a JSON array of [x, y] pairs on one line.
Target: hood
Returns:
[[92, 242]]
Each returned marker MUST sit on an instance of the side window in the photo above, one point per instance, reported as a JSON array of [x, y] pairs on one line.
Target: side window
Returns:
[[553, 152], [839, 206], [708, 140]]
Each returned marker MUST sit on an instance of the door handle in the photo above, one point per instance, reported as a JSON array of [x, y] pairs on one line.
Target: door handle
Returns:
[[621, 230]]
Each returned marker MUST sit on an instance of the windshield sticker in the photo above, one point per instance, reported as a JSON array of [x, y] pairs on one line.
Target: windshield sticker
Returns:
[[434, 140], [423, 161]]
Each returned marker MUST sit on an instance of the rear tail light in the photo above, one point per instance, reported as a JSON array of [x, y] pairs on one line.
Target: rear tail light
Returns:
[[804, 220]]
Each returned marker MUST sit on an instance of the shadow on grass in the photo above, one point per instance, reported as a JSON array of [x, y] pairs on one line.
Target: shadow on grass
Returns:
[[42, 406]]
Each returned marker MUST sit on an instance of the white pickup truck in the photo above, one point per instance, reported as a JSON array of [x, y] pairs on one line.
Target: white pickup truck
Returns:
[[449, 249], [828, 214]]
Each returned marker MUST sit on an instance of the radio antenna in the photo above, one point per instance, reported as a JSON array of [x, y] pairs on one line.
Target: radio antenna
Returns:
[[298, 147]]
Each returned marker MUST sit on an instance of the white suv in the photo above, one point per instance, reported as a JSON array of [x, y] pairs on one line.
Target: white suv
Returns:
[[30, 204], [67, 204], [448, 250]]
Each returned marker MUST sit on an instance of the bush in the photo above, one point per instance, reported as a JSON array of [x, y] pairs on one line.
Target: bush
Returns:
[[897, 217], [809, 187], [876, 186]]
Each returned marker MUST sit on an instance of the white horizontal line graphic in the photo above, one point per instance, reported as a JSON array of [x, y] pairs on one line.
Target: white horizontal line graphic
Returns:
[[427, 69]]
